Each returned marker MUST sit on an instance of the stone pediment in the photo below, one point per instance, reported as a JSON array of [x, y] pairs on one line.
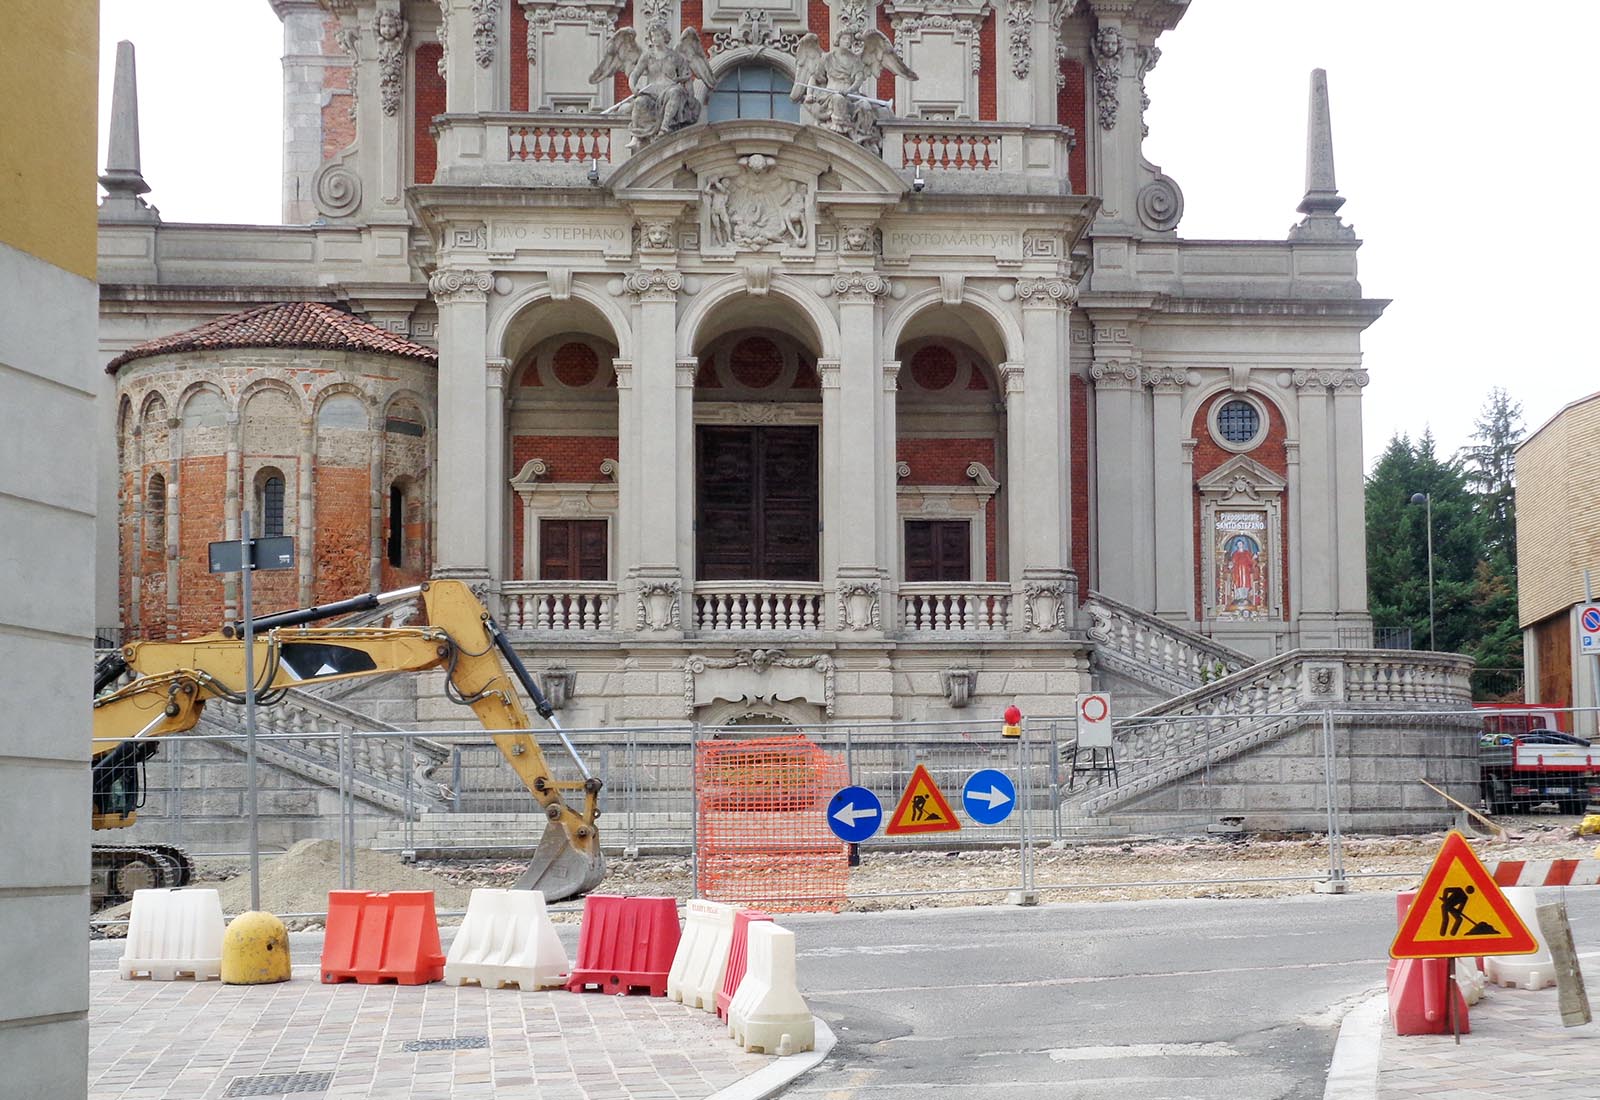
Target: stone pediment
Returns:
[[1241, 478], [715, 150]]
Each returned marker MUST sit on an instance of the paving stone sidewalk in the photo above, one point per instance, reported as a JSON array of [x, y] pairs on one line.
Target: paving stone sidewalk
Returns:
[[1517, 1048], [203, 1040]]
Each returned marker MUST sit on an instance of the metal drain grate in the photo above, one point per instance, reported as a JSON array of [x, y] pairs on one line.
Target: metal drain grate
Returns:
[[459, 1042], [278, 1084]]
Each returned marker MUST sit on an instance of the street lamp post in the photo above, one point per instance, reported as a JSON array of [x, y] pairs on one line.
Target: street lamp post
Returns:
[[1427, 499]]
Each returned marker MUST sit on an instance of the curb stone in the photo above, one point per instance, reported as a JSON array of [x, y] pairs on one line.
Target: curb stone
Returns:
[[773, 1079], [1353, 1073]]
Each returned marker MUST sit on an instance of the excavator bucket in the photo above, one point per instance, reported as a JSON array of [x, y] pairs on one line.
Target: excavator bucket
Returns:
[[559, 869]]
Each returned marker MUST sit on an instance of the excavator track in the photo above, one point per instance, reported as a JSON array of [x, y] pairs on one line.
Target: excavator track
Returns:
[[117, 870]]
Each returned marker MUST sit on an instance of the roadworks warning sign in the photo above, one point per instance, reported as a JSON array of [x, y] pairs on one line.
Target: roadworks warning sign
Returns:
[[1460, 911], [922, 809]]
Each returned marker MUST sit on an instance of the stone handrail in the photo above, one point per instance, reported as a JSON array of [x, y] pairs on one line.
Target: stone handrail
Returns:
[[781, 606], [377, 765], [562, 606], [1155, 651], [1254, 705], [941, 607]]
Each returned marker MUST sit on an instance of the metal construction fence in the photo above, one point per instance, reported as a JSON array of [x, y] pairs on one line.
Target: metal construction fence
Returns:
[[440, 795]]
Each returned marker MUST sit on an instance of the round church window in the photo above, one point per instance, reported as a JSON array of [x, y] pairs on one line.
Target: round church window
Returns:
[[1237, 424]]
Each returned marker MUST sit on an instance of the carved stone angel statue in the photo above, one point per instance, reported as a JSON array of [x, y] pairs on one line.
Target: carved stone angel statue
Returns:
[[836, 85], [662, 77]]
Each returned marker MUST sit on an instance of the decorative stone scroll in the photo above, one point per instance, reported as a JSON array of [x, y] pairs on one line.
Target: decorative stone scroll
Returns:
[[960, 686], [653, 286], [1044, 607], [754, 30], [1059, 292], [856, 286], [1348, 378], [391, 30], [758, 676], [1019, 21], [1107, 45], [451, 284]]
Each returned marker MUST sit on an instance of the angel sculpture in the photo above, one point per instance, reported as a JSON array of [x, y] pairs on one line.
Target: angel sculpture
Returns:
[[831, 83], [662, 77]]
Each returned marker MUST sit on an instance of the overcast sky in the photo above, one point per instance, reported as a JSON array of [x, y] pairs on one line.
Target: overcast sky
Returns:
[[1464, 140]]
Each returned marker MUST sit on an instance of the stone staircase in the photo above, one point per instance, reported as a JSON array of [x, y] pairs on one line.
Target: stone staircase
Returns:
[[1145, 659], [1250, 743]]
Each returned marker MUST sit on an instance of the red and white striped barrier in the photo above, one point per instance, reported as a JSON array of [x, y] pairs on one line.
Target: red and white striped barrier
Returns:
[[1547, 872]]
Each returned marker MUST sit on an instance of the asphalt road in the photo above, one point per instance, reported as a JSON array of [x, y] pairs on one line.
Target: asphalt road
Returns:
[[1158, 1000]]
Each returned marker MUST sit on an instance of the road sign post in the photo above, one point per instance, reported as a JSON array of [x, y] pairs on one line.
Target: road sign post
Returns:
[[244, 557], [1589, 637], [989, 796], [854, 814], [922, 808]]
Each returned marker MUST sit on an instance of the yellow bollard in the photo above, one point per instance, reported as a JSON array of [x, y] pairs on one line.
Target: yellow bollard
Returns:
[[255, 950]]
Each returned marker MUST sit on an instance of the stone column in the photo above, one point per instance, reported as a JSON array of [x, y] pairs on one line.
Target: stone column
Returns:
[[305, 530], [1038, 509], [378, 502], [1186, 560], [1121, 481], [625, 554], [461, 547], [889, 515], [173, 524], [1349, 494], [855, 524], [688, 369], [828, 379], [657, 507], [1314, 551], [303, 65], [232, 494], [474, 56], [496, 372], [1173, 497]]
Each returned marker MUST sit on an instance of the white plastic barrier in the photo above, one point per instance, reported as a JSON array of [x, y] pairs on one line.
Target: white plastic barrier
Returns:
[[702, 957], [768, 1014], [1523, 971], [172, 934], [505, 939]]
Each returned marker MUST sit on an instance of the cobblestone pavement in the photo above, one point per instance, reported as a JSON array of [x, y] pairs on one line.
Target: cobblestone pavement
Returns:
[[1517, 1048], [157, 1040]]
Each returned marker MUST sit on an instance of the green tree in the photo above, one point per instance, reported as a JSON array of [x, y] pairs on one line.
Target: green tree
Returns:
[[1397, 545], [1491, 467]]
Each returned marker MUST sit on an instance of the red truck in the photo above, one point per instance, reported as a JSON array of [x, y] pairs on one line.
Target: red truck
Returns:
[[1526, 758]]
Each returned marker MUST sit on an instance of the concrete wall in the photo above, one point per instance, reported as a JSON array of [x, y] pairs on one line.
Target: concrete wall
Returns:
[[47, 509], [1379, 763]]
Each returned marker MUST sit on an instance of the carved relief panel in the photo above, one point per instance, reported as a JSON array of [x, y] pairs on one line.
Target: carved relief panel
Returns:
[[761, 206]]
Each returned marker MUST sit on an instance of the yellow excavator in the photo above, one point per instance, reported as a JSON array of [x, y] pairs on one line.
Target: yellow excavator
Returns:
[[173, 682]]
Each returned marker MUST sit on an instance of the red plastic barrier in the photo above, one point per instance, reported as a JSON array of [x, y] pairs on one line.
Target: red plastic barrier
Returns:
[[1418, 989], [738, 956], [373, 938], [626, 944]]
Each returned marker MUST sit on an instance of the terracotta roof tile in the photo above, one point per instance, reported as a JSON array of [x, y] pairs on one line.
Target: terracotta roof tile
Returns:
[[284, 325]]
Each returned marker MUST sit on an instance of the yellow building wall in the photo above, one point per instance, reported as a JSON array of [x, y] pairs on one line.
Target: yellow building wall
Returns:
[[1558, 511], [48, 89]]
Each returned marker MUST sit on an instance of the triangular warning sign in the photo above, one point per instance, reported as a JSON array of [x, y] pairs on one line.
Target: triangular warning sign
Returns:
[[1460, 911], [922, 809]]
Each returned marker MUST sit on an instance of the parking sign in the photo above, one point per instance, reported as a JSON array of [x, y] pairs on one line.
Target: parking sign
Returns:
[[1589, 628]]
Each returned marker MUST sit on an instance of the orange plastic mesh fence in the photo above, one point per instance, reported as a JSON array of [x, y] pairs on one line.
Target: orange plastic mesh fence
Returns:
[[762, 835]]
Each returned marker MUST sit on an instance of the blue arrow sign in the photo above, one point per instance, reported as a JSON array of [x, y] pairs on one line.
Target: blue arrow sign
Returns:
[[854, 814], [989, 797]]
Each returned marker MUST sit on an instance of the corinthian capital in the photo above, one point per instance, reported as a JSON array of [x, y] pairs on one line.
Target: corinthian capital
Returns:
[[450, 284], [653, 286], [1047, 292]]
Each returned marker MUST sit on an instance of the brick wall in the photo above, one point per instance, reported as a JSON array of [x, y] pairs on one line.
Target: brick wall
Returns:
[[202, 486], [517, 58], [619, 83], [944, 462], [1071, 108], [572, 459], [430, 102], [338, 128], [988, 98], [885, 78], [817, 21], [1208, 455], [342, 546]]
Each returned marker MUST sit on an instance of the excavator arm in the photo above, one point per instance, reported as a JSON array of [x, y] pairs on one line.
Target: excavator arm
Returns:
[[463, 640]]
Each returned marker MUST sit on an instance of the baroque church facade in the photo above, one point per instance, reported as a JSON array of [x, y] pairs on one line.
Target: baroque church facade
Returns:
[[764, 361]]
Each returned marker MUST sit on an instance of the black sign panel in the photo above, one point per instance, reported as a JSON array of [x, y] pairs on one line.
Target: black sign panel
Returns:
[[273, 553]]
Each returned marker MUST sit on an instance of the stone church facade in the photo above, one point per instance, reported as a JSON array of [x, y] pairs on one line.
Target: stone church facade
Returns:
[[779, 360]]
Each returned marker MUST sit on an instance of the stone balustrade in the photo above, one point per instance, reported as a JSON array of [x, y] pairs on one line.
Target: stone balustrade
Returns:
[[560, 142], [562, 607], [1153, 650], [780, 606], [951, 608]]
